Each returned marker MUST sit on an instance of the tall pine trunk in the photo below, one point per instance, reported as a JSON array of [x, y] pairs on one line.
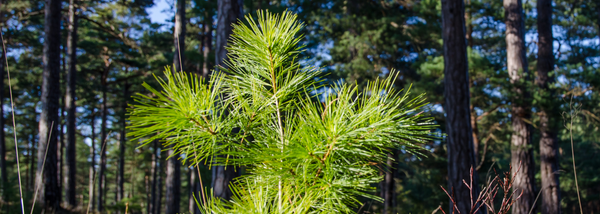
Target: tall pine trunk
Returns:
[[173, 184], [103, 139], [516, 64], [61, 129], [70, 106], [206, 43], [173, 180], [548, 141], [154, 169], [229, 11], [388, 184], [461, 155], [470, 44], [92, 169], [122, 147], [4, 176], [158, 201], [46, 174], [193, 187]]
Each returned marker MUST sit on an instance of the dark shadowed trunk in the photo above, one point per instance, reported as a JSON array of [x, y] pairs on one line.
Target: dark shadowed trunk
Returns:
[[461, 155], [516, 64], [388, 185], [92, 169], [103, 138], [206, 43], [229, 11], [158, 202], [548, 141], [70, 106], [194, 194], [122, 147], [61, 129], [46, 175], [4, 176]]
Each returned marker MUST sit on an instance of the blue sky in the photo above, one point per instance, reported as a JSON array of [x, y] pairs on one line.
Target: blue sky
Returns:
[[161, 11]]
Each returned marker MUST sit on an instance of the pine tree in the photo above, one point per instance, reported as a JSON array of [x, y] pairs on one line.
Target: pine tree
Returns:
[[550, 189], [521, 146], [70, 105], [46, 174], [461, 155]]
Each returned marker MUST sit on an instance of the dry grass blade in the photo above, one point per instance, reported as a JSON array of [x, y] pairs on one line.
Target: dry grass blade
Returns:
[[573, 113], [43, 166], [12, 107]]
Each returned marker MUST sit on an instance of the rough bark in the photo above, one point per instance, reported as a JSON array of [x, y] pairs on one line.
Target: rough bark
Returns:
[[229, 11], [70, 105], [461, 155], [173, 184], [516, 64], [92, 169], [206, 43], [548, 141], [46, 175]]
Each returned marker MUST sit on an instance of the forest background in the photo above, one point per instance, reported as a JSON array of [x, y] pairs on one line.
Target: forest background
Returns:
[[117, 45]]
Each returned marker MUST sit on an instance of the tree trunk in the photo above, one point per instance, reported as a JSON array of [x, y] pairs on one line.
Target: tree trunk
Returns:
[[46, 175], [4, 176], [173, 183], [229, 11], [206, 43], [388, 190], [92, 169], [193, 207], [61, 129], [548, 142], [70, 106], [151, 205], [521, 151], [101, 175], [158, 202], [179, 36], [173, 180], [122, 147], [461, 155]]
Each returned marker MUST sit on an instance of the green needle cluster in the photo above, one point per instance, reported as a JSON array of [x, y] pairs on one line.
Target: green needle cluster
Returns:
[[300, 154]]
